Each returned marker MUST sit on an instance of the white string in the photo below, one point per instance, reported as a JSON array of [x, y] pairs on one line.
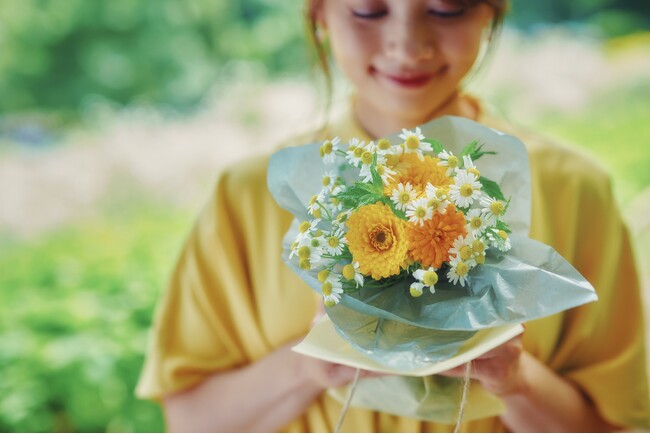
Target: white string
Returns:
[[463, 396], [346, 407]]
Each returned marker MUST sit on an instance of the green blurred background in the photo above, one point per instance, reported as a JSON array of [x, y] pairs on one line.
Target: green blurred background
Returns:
[[115, 116]]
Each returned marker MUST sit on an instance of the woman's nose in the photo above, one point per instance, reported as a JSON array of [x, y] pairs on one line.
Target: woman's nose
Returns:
[[409, 42]]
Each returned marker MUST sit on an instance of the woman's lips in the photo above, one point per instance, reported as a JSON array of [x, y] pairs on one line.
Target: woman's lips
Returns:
[[409, 81]]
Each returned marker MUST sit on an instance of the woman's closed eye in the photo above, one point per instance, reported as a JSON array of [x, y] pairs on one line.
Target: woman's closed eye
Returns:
[[370, 14]]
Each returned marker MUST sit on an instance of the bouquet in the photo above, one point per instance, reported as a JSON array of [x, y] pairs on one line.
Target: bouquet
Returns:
[[421, 256]]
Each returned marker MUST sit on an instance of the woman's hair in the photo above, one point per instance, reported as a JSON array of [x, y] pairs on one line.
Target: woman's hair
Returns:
[[500, 7]]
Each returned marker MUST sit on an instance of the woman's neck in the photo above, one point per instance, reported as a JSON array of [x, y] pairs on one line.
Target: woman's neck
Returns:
[[378, 125]]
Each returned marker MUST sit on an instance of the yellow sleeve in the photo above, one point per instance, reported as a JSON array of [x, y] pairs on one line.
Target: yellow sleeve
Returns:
[[207, 306], [602, 348]]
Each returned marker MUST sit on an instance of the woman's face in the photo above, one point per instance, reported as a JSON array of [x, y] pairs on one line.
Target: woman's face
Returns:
[[404, 57]]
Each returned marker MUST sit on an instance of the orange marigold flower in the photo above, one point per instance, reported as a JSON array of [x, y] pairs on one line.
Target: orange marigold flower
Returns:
[[418, 172], [377, 240], [429, 244]]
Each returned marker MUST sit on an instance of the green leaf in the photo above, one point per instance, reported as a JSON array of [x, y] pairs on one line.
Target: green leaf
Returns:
[[376, 178], [503, 226], [399, 213], [474, 150], [491, 188]]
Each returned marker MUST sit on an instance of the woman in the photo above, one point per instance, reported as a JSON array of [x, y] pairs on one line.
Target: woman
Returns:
[[221, 357]]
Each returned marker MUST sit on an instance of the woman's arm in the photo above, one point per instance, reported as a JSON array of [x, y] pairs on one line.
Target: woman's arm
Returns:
[[263, 396], [536, 398]]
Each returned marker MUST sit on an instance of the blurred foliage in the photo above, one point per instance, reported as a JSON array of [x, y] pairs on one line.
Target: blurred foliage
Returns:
[[76, 308], [66, 55]]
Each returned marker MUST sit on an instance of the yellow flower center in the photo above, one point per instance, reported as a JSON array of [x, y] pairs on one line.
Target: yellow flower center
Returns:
[[366, 157], [433, 203], [348, 272], [412, 143], [304, 252], [475, 171], [503, 234], [441, 193], [452, 161], [305, 264], [465, 253], [326, 181], [404, 197], [478, 246], [313, 199], [322, 275], [327, 288], [420, 212], [381, 169], [415, 292], [335, 201], [497, 207], [294, 246], [476, 222], [480, 259], [381, 238], [383, 144], [314, 242], [358, 152], [466, 190], [392, 160], [327, 148], [304, 227], [333, 242], [317, 213], [430, 278], [462, 268]]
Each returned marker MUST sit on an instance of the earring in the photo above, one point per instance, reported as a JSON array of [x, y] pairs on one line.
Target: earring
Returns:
[[321, 34]]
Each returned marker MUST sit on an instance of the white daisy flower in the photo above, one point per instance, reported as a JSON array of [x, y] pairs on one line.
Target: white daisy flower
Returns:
[[418, 211], [365, 168], [428, 278], [403, 195], [309, 257], [476, 222], [352, 272], [305, 228], [328, 181], [436, 198], [316, 202], [465, 189], [458, 271], [462, 249], [335, 242], [328, 150], [354, 152], [448, 160], [469, 165], [385, 172], [499, 239], [332, 289], [383, 147], [492, 208], [416, 289], [413, 142]]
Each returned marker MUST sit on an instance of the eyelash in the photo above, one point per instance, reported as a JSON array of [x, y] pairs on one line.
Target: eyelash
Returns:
[[382, 13]]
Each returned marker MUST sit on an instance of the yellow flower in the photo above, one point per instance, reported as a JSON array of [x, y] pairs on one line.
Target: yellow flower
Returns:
[[418, 173], [376, 239], [429, 244]]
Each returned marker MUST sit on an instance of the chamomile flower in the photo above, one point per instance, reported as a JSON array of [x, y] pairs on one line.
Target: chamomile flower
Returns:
[[418, 211], [492, 208], [416, 289], [476, 222], [499, 239], [462, 249], [335, 242], [305, 229], [458, 271], [328, 181], [367, 162], [315, 203], [385, 172], [383, 147], [465, 189], [427, 277], [403, 195], [354, 152], [469, 165], [309, 257], [436, 198], [413, 142], [449, 160], [332, 290], [328, 150], [351, 271]]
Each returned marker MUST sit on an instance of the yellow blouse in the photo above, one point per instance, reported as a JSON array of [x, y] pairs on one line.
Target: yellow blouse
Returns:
[[231, 300]]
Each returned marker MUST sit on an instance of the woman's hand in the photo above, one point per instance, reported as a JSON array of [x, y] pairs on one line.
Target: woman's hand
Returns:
[[500, 370]]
